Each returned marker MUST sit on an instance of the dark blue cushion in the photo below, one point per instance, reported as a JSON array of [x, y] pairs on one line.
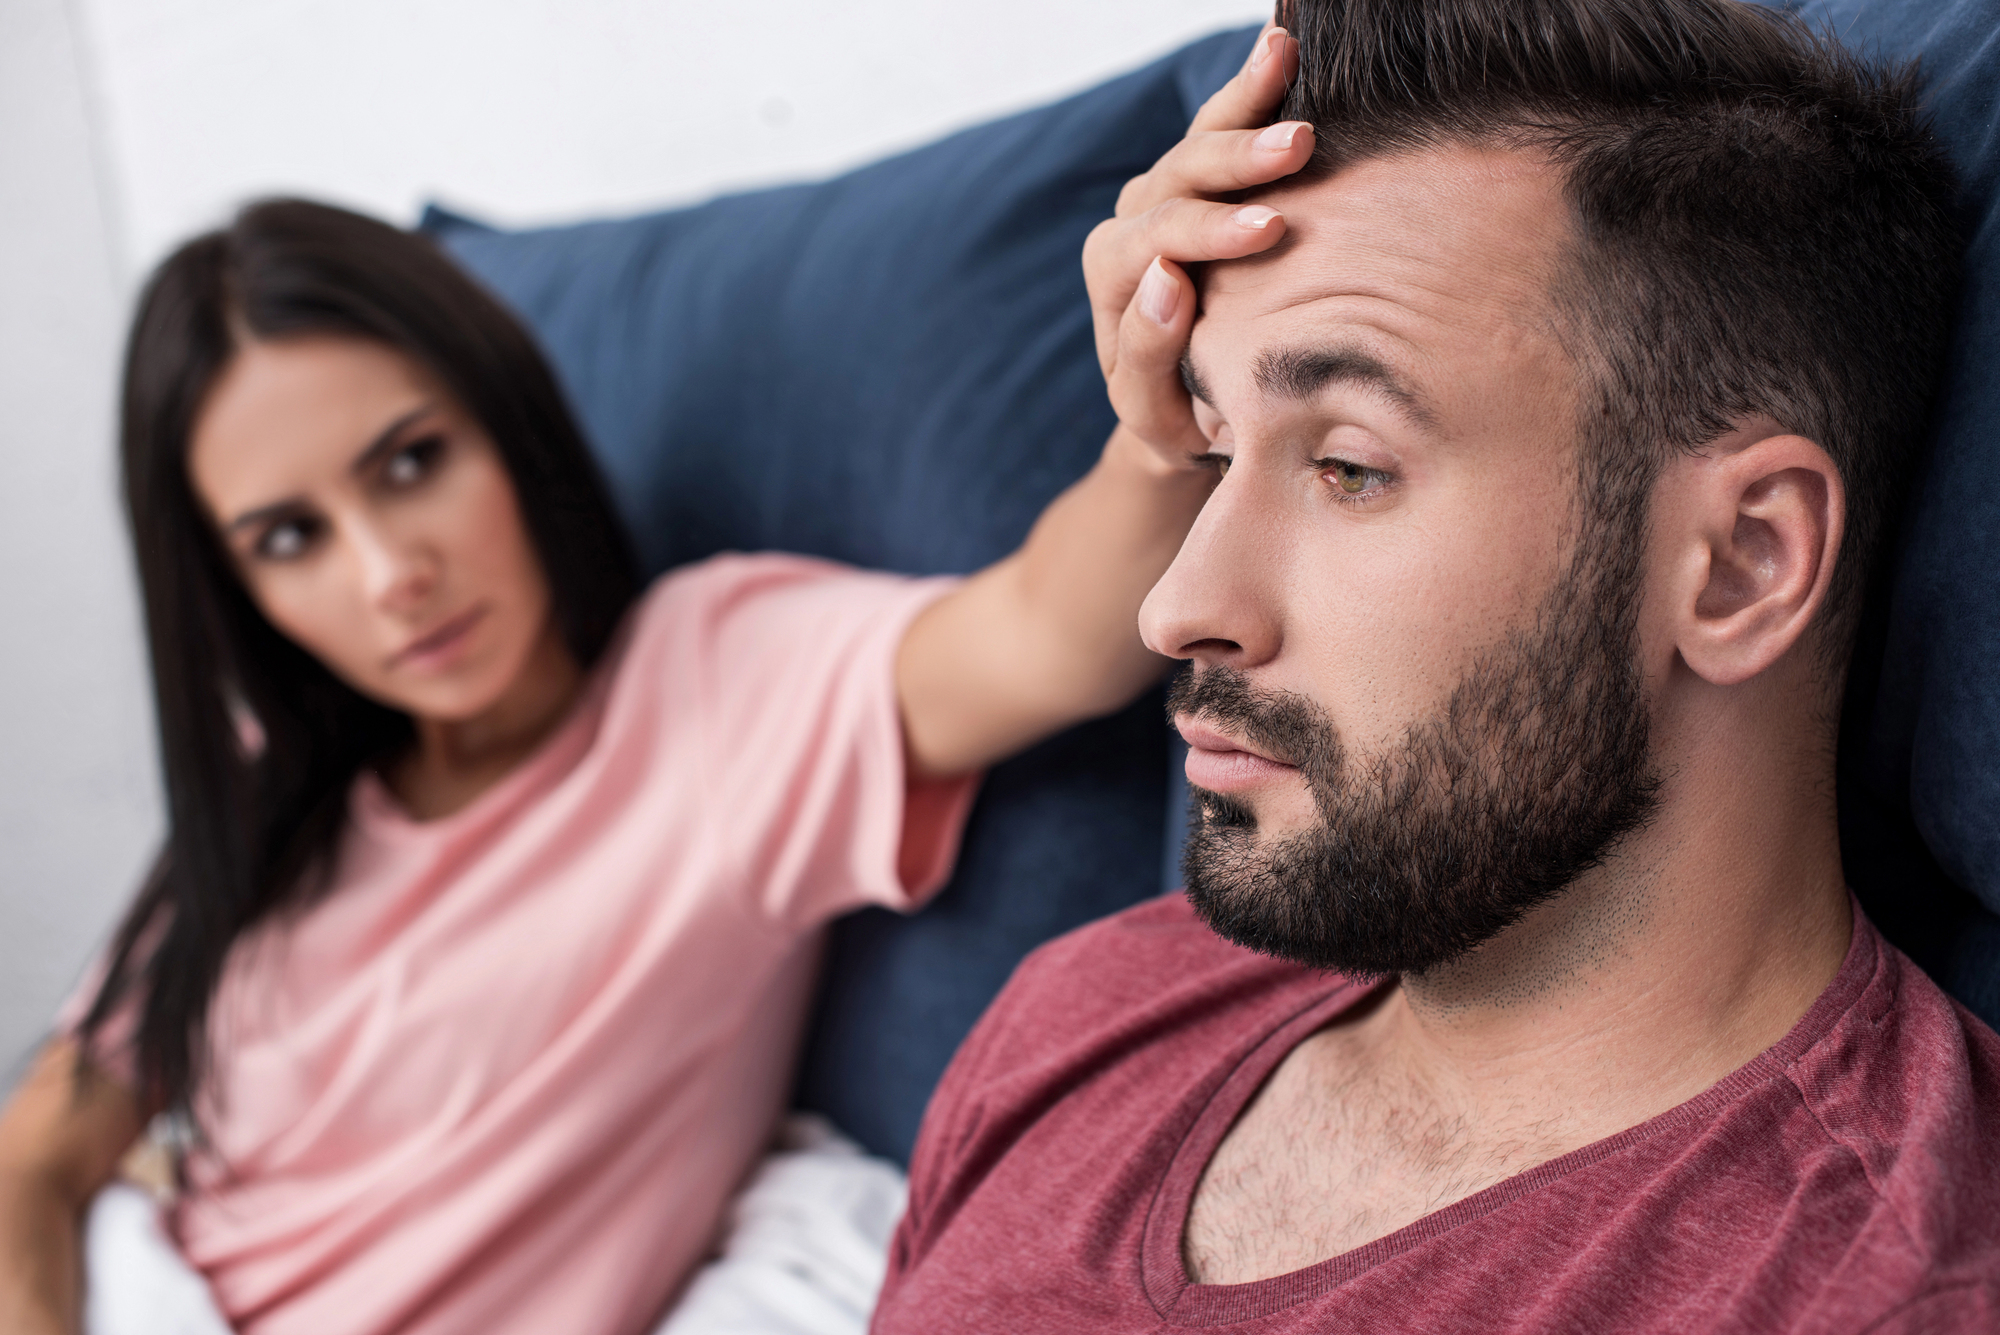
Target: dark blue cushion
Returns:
[[1920, 762], [894, 368]]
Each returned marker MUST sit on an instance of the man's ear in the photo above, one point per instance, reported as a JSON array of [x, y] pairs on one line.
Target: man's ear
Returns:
[[1755, 519]]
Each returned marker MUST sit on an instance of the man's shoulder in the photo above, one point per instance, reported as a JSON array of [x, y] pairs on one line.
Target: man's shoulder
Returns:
[[1901, 1059], [1145, 992], [1134, 941], [1095, 1034], [1138, 960], [1907, 1083]]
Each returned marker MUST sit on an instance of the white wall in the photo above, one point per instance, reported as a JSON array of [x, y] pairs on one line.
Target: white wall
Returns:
[[127, 124], [538, 109], [77, 804]]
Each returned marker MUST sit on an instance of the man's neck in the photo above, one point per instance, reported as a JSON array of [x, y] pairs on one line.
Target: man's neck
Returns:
[[1695, 948], [1698, 946]]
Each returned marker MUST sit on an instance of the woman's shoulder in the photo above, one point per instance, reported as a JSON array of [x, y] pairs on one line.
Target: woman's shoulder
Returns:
[[758, 598], [728, 576]]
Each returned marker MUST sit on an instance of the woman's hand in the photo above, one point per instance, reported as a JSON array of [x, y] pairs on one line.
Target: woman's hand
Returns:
[[61, 1138], [1142, 300], [1049, 636]]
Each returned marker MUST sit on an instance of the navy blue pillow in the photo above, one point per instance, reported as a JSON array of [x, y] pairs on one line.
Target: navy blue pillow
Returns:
[[1920, 762], [895, 369]]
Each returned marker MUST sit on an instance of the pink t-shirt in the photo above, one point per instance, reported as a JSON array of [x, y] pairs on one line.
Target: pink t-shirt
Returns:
[[1846, 1180], [504, 1075]]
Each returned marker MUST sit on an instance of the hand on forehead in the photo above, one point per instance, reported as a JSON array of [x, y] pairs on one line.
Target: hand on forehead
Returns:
[[1432, 269]]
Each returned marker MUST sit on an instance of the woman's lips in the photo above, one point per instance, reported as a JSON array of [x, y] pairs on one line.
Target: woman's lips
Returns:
[[441, 648], [1221, 764]]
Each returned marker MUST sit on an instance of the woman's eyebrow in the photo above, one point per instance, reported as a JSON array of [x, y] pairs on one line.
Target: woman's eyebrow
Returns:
[[382, 443], [363, 461], [252, 518]]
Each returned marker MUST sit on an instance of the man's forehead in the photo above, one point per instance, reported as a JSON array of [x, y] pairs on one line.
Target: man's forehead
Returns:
[[1451, 241]]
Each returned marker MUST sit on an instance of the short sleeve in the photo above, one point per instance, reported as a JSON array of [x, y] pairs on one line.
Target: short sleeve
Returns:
[[791, 668]]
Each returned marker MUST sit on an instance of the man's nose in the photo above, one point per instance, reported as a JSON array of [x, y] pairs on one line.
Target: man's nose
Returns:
[[1217, 604]]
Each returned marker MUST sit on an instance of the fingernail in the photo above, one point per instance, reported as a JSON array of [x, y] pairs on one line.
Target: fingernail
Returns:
[[1159, 295], [1278, 138], [1267, 47], [1255, 217]]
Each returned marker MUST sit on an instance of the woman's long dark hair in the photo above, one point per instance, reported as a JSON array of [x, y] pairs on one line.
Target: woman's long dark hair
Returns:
[[253, 827]]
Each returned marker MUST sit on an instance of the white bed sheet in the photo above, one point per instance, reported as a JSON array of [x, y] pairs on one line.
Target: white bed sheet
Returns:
[[804, 1248]]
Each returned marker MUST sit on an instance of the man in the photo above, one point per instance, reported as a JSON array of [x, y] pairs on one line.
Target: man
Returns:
[[1515, 986]]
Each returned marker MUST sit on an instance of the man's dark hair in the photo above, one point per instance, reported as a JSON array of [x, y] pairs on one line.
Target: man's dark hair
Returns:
[[1764, 221]]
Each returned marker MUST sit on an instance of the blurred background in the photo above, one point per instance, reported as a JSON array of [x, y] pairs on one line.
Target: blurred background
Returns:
[[126, 125]]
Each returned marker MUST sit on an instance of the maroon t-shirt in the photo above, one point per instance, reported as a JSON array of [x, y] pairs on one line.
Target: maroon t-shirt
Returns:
[[1846, 1180]]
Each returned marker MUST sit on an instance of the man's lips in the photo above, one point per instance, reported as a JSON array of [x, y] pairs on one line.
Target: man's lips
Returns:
[[1222, 764], [434, 648]]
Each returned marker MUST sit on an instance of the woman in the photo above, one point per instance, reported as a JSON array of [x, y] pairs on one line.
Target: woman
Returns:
[[479, 947], [481, 940]]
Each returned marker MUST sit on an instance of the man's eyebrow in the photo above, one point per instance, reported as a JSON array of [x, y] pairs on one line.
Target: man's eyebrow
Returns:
[[363, 461], [1301, 373], [1191, 378]]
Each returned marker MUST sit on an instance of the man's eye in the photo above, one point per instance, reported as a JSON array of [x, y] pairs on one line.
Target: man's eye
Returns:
[[1353, 479], [414, 462], [286, 539]]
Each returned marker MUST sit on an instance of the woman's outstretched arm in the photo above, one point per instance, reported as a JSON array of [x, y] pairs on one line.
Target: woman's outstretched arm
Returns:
[[61, 1137], [1050, 636]]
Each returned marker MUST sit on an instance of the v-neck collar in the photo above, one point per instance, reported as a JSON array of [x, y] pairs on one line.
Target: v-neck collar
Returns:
[[1184, 1303]]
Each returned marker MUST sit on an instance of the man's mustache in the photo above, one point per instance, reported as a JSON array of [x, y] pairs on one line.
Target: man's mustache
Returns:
[[1289, 728]]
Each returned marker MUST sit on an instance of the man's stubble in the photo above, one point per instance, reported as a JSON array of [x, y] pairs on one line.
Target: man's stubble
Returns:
[[1530, 773]]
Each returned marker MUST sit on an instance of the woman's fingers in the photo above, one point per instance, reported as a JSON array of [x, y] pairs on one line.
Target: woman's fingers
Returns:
[[1230, 146], [1187, 231], [1253, 95], [1142, 301], [1118, 251], [1143, 373], [1219, 163]]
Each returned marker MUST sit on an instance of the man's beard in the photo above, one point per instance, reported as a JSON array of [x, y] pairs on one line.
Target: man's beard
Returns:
[[1534, 768]]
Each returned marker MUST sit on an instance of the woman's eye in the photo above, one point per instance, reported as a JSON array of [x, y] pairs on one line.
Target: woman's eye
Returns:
[[413, 462], [1353, 479], [284, 540]]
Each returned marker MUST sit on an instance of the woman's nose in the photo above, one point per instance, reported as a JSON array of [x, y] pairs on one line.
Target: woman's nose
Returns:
[[396, 573], [1217, 603]]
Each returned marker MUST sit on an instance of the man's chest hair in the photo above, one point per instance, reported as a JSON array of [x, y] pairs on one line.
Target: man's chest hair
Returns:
[[1339, 1148]]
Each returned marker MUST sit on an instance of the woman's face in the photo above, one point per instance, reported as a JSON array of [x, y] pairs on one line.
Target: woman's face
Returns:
[[372, 520]]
